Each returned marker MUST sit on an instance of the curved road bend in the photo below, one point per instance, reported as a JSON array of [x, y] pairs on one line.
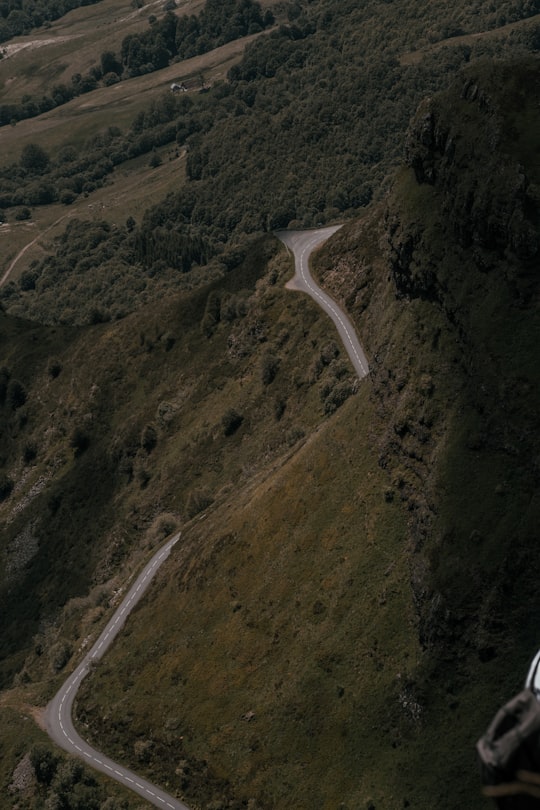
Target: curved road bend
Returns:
[[58, 718], [302, 244]]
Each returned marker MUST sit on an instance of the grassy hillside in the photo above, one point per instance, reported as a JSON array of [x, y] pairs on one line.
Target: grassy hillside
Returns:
[[182, 408], [355, 591], [366, 609]]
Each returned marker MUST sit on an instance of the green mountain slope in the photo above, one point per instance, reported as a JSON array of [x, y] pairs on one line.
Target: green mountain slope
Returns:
[[355, 591], [302, 130], [339, 625]]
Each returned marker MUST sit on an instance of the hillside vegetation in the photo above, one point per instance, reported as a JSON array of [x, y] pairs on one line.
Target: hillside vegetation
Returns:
[[355, 589], [320, 106], [405, 636]]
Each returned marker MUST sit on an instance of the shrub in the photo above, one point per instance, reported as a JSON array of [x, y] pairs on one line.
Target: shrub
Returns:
[[16, 394], [328, 352], [149, 438], [337, 395], [27, 281], [279, 408], [29, 452], [110, 78], [67, 196], [269, 368], [198, 500], [44, 763], [6, 486], [4, 380], [231, 421], [79, 441], [60, 655], [54, 368], [162, 526], [155, 160]]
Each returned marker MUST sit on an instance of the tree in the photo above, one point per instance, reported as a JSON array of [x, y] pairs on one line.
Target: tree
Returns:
[[44, 762], [34, 158], [27, 280], [110, 63]]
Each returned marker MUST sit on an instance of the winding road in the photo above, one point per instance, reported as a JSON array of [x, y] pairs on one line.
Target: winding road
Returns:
[[302, 244], [58, 714]]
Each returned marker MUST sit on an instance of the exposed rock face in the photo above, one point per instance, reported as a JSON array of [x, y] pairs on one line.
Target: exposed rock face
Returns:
[[448, 314], [463, 145], [464, 236]]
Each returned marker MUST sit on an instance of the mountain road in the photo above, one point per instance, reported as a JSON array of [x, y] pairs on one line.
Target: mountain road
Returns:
[[302, 244], [58, 714]]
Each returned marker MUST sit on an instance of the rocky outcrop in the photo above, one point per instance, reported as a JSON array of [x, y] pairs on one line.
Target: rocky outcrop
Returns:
[[447, 311], [464, 145], [462, 232]]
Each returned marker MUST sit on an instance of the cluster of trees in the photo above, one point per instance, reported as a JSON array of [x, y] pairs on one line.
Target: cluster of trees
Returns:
[[39, 178], [305, 130], [175, 248], [64, 783], [100, 272], [21, 16], [169, 39], [174, 38]]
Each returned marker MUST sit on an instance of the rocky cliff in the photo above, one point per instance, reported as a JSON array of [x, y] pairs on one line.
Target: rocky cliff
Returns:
[[448, 305]]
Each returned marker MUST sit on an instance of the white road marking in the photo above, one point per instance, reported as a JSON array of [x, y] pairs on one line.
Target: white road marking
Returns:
[[329, 306], [61, 705]]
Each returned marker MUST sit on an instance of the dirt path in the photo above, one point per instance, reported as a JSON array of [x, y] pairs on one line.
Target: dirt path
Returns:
[[26, 247]]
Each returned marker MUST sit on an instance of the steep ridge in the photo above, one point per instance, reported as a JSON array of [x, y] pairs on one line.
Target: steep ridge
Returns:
[[442, 279], [460, 244], [115, 435], [362, 591]]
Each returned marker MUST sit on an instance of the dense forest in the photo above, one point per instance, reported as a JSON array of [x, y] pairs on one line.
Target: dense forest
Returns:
[[320, 106]]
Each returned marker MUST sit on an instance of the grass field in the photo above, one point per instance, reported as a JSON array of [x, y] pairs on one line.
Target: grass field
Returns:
[[73, 44], [117, 105]]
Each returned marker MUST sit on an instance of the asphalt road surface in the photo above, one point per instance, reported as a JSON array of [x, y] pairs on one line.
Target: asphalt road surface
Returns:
[[58, 719], [58, 714], [302, 244]]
